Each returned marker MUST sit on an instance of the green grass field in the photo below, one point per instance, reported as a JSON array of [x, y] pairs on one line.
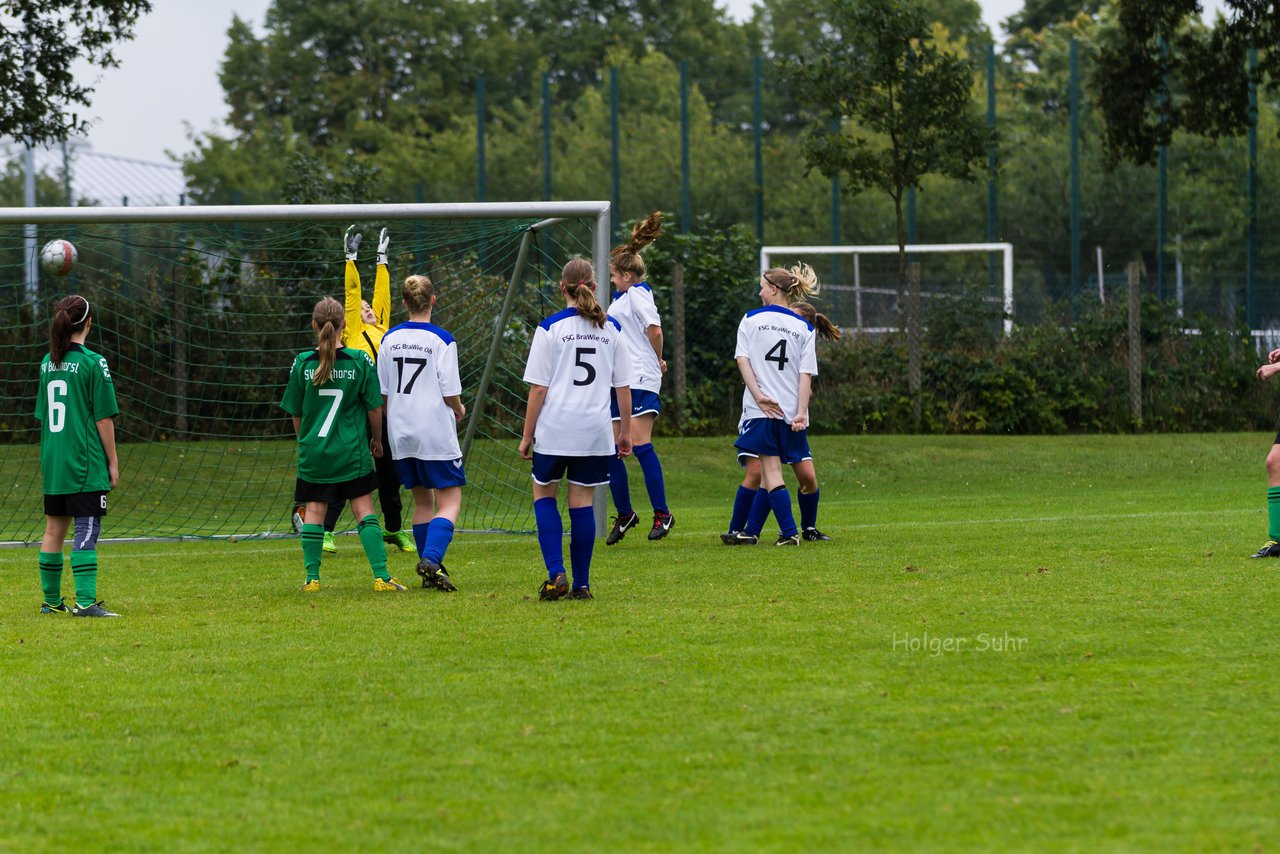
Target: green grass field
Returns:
[[1010, 644]]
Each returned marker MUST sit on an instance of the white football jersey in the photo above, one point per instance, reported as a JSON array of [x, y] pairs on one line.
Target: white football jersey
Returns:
[[418, 369], [635, 312], [578, 362], [781, 345]]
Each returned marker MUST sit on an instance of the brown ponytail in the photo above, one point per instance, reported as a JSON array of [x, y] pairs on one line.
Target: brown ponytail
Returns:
[[626, 258], [327, 321], [578, 281], [69, 317], [827, 330]]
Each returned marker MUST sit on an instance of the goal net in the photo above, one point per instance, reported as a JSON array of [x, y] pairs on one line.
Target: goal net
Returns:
[[860, 283], [200, 310]]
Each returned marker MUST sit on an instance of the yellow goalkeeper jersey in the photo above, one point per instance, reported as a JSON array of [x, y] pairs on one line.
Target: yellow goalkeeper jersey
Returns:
[[360, 335]]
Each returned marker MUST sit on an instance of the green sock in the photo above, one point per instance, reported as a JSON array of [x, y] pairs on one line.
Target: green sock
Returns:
[[312, 537], [84, 571], [1273, 513], [51, 577], [371, 538]]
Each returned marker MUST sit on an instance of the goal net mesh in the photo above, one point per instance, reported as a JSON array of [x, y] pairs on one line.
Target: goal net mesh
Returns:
[[199, 323]]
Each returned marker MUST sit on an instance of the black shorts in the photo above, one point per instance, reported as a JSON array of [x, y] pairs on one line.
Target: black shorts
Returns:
[[76, 504], [331, 493]]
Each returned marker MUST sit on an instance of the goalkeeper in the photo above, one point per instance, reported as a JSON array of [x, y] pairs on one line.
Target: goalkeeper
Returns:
[[364, 326]]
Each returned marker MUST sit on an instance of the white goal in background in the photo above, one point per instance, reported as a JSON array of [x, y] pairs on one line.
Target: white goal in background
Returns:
[[861, 281]]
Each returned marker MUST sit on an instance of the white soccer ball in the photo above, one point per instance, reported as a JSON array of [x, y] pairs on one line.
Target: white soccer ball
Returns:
[[58, 257]]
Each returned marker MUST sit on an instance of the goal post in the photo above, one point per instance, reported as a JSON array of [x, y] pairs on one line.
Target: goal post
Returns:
[[199, 311], [855, 284]]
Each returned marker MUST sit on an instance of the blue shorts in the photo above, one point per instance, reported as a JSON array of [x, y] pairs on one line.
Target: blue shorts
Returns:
[[743, 456], [772, 437], [433, 474], [583, 471], [642, 403]]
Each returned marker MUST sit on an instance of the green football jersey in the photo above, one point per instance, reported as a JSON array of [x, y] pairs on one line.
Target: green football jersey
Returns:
[[72, 398], [333, 439]]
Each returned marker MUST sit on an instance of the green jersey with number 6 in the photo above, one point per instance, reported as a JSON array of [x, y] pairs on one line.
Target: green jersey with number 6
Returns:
[[333, 438], [73, 397]]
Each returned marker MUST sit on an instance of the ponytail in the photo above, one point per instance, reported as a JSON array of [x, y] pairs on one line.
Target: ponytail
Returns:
[[827, 330], [327, 320], [69, 317], [578, 282], [626, 258]]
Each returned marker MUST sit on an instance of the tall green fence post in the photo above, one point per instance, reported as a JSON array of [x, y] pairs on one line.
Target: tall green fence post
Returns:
[[1075, 172], [1251, 249], [1162, 184], [993, 259], [836, 228], [546, 137], [615, 160], [686, 199], [757, 110], [419, 231], [480, 165]]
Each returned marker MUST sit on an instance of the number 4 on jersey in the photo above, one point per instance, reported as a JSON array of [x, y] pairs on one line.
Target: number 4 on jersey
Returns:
[[778, 354]]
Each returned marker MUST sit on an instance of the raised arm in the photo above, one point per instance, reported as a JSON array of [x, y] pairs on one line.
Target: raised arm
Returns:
[[381, 304], [352, 296]]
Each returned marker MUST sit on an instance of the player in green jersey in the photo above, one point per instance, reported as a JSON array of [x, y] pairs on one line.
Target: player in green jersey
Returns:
[[75, 403], [332, 393]]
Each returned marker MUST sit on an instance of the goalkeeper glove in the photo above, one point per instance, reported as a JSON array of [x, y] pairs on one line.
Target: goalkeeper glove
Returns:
[[384, 240], [351, 243]]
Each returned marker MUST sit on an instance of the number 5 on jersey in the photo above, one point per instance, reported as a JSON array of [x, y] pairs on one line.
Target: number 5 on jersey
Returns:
[[579, 363]]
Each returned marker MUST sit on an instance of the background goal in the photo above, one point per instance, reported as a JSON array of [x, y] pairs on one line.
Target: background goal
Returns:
[[199, 311], [860, 283]]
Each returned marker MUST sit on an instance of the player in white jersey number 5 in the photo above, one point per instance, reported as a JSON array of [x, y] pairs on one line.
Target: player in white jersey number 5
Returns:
[[575, 357]]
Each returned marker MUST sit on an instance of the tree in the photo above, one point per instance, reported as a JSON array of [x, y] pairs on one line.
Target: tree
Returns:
[[890, 107], [40, 40], [1162, 71], [1037, 15]]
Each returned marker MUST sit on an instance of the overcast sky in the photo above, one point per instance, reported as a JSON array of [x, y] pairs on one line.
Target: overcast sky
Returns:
[[168, 76]]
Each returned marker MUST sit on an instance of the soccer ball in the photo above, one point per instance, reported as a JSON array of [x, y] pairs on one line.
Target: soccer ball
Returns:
[[58, 257]]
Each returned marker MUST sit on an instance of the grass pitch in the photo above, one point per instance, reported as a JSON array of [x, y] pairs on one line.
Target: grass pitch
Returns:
[[1010, 644]]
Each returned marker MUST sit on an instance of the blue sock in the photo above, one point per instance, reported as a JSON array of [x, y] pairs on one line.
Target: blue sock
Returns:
[[550, 533], [808, 509], [619, 488], [780, 503], [759, 513], [582, 539], [648, 459], [439, 535], [420, 536], [741, 507]]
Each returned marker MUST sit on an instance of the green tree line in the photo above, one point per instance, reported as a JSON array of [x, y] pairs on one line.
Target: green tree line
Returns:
[[377, 101]]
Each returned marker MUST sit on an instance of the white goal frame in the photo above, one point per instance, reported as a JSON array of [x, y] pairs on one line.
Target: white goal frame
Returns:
[[597, 213], [1006, 250]]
